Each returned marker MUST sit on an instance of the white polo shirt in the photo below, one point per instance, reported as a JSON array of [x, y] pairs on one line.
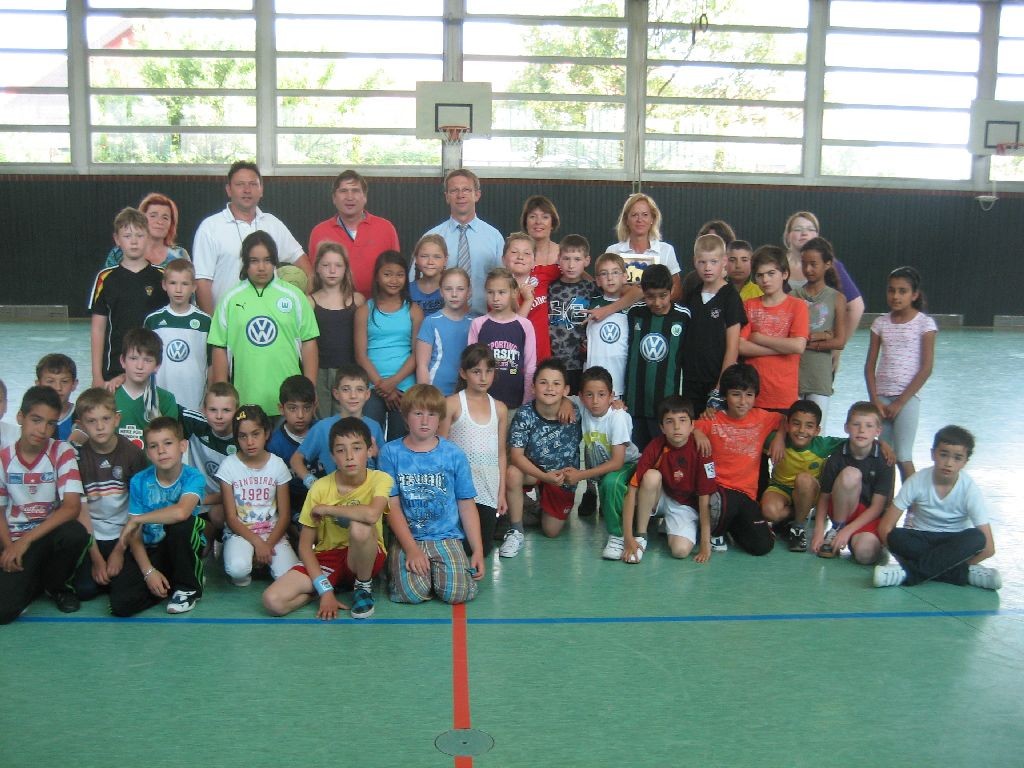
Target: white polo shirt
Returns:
[[216, 252], [660, 252]]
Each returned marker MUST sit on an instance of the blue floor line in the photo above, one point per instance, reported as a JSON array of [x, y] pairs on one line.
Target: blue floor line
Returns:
[[199, 620]]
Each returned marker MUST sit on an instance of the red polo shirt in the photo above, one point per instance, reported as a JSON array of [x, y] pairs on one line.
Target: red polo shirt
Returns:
[[373, 236]]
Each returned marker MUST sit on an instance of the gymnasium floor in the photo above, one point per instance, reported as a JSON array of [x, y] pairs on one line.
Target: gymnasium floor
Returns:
[[564, 659]]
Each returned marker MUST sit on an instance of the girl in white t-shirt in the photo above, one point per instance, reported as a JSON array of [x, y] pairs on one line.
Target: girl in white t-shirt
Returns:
[[478, 424], [254, 486], [902, 350]]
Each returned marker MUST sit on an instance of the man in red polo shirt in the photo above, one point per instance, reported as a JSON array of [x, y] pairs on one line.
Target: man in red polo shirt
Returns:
[[364, 235]]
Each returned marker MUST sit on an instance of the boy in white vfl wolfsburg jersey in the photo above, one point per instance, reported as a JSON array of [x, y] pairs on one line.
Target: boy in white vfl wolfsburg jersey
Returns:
[[183, 328]]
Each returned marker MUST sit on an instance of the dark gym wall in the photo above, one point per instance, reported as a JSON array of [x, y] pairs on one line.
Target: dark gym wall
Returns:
[[57, 229]]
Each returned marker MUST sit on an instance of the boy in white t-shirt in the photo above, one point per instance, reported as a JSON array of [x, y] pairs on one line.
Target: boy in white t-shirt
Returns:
[[947, 533], [608, 452]]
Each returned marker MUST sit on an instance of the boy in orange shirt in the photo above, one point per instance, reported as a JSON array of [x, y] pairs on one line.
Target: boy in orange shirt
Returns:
[[736, 438]]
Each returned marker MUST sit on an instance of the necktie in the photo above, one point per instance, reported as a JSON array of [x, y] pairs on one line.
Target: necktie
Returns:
[[463, 261]]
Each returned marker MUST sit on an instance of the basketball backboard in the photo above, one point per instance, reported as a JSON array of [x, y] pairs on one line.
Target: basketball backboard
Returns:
[[441, 104], [994, 123]]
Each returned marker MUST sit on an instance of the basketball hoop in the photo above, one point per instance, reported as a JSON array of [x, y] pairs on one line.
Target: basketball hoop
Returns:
[[1010, 148], [452, 134]]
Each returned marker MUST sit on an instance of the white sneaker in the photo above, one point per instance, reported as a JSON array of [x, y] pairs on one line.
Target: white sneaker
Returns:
[[641, 547], [719, 544], [512, 543], [984, 577], [613, 548], [891, 575]]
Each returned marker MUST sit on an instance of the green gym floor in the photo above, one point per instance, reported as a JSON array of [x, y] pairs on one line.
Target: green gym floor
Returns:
[[563, 659]]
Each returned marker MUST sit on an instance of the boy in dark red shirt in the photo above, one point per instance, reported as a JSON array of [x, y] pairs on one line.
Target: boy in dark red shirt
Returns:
[[672, 477]]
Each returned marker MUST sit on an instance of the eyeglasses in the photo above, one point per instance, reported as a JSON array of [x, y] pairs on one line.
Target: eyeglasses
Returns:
[[609, 273], [803, 229], [462, 191]]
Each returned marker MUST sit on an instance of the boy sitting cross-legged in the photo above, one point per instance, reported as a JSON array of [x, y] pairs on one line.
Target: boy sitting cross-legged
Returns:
[[674, 479], [40, 498], [948, 533], [432, 513], [164, 531], [342, 538], [541, 448], [856, 484]]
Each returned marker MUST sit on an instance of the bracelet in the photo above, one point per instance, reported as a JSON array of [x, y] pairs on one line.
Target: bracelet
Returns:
[[322, 585], [148, 573], [308, 480]]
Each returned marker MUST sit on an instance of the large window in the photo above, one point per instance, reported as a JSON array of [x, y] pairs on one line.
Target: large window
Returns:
[[788, 91], [899, 80], [726, 95]]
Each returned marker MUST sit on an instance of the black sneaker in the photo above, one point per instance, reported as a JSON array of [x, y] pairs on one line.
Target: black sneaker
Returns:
[[588, 504], [797, 539], [66, 601], [182, 601]]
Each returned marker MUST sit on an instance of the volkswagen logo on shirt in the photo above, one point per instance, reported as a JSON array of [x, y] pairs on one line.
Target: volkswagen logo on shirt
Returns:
[[653, 347], [610, 333], [176, 351], [261, 331]]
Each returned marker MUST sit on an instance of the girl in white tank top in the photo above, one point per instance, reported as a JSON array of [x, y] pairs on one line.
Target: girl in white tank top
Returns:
[[478, 424]]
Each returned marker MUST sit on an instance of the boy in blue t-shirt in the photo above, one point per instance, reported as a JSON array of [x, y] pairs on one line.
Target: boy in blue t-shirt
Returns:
[[541, 448], [432, 512], [313, 457], [297, 404], [59, 373], [164, 531]]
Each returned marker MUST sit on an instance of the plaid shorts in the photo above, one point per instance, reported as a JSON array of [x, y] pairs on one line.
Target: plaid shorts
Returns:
[[449, 577]]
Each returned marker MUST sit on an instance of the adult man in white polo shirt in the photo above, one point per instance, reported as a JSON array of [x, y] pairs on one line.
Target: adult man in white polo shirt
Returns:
[[473, 244], [218, 243]]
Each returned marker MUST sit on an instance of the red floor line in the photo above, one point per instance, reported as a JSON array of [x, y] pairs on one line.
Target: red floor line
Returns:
[[460, 677]]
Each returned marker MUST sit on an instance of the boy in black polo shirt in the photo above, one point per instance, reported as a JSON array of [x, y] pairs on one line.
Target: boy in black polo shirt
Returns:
[[654, 364], [121, 298], [856, 485]]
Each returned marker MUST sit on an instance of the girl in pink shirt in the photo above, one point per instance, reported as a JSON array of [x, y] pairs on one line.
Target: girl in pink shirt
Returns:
[[899, 362]]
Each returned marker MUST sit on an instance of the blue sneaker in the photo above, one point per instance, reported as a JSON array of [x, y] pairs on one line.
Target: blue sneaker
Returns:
[[362, 603]]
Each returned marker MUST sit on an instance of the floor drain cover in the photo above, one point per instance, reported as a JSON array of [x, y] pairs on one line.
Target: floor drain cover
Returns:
[[464, 742]]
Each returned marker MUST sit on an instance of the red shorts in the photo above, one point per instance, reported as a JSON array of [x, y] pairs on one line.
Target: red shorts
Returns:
[[556, 501], [334, 564], [871, 527]]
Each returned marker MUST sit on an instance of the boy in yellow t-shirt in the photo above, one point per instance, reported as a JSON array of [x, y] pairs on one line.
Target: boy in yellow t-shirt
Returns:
[[341, 542]]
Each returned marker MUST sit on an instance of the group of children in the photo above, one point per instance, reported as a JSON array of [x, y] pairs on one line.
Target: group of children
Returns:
[[442, 423]]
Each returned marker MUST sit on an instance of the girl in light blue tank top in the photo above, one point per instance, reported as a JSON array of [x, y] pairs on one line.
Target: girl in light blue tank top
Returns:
[[385, 332]]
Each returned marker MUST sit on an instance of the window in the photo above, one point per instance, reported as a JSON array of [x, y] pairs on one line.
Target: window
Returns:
[[173, 87], [558, 74], [899, 80], [1010, 83], [726, 96], [802, 91], [35, 117]]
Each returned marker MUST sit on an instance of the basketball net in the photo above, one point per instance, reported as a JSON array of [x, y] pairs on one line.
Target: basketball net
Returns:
[[452, 135], [1010, 148]]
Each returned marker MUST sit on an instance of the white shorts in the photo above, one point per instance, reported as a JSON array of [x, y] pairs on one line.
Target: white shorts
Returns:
[[680, 519]]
